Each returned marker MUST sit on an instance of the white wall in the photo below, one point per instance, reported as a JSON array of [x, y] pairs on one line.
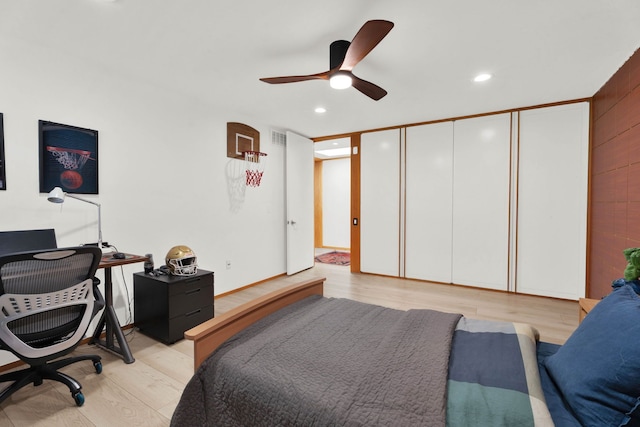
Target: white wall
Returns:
[[336, 203], [161, 173]]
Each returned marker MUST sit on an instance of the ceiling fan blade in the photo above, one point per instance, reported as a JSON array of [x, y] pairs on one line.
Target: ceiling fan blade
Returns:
[[292, 79], [371, 33], [373, 91]]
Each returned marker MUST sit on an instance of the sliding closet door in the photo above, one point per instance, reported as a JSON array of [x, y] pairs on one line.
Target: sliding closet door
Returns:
[[552, 201], [380, 202], [429, 186], [481, 173]]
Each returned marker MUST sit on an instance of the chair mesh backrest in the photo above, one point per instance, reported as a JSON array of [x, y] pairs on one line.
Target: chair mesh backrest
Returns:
[[41, 276]]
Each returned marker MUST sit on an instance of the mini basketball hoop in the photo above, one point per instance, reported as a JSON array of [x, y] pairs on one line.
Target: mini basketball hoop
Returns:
[[254, 164], [69, 158]]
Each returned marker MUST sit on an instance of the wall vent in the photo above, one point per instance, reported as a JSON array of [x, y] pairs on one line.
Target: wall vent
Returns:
[[278, 137]]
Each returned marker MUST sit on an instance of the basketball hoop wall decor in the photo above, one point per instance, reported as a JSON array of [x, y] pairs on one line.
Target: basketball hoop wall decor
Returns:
[[68, 158], [241, 138]]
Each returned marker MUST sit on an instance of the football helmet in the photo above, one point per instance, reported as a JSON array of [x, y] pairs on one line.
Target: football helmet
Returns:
[[181, 261]]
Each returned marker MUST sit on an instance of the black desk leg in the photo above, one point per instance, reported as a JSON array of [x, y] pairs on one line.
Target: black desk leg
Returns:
[[110, 321]]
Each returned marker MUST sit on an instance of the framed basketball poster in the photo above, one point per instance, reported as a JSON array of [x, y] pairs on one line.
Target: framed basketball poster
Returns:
[[68, 158], [3, 175]]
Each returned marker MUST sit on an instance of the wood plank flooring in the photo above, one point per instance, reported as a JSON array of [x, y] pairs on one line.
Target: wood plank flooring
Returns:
[[146, 392]]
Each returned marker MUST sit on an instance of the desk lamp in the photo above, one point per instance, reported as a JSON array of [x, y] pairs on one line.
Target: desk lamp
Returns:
[[57, 196]]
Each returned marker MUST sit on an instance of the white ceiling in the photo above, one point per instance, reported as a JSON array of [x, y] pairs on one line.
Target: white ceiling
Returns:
[[539, 51]]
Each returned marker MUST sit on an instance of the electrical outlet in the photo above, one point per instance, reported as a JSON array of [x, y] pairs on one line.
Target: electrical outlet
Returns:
[[228, 265]]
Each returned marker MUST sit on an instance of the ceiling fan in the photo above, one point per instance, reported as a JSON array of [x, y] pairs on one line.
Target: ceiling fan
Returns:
[[343, 56]]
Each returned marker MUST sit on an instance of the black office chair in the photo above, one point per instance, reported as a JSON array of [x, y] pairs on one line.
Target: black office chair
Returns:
[[47, 300]]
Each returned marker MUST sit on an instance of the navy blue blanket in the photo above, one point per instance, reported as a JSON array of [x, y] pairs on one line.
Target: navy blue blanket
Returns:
[[493, 376]]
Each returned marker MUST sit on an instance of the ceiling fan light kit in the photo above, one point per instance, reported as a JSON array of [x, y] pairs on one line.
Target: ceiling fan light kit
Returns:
[[340, 80], [343, 57]]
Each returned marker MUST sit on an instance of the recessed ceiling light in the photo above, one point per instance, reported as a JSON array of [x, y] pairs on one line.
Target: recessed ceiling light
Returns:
[[335, 152], [320, 110], [482, 77]]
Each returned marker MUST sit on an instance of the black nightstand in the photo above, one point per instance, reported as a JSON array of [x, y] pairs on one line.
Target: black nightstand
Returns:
[[166, 306]]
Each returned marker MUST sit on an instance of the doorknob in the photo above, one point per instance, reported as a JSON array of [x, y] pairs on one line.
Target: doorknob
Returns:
[[291, 222]]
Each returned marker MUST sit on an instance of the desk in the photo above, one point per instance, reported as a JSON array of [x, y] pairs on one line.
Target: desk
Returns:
[[109, 318]]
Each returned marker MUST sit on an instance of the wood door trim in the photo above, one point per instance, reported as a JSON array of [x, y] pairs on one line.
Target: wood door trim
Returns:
[[355, 203]]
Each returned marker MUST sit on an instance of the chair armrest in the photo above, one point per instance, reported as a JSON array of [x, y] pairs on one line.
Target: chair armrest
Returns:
[[99, 304]]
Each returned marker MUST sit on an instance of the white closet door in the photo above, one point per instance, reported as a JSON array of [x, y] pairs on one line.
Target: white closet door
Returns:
[[552, 201], [380, 202], [429, 186], [481, 159]]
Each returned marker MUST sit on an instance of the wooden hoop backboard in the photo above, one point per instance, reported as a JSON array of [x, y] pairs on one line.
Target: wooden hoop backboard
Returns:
[[241, 138]]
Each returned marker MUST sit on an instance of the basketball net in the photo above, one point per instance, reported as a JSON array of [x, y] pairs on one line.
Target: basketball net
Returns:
[[236, 175], [69, 158], [254, 162]]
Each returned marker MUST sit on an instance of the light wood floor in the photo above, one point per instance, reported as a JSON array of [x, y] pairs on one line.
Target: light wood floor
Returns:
[[146, 392]]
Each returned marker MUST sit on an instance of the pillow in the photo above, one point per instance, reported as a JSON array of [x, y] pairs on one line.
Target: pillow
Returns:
[[598, 369]]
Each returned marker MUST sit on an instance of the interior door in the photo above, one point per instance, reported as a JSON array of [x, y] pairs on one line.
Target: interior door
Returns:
[[429, 202], [299, 199], [380, 202], [481, 177], [552, 201]]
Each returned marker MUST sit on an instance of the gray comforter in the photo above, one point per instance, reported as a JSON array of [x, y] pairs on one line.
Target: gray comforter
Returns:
[[326, 361]]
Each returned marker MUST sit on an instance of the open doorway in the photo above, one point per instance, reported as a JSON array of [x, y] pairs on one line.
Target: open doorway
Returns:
[[332, 200]]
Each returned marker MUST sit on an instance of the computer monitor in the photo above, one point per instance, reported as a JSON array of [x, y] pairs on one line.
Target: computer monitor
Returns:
[[27, 240]]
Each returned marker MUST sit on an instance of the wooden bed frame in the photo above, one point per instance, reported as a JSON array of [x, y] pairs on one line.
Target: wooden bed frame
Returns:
[[211, 334]]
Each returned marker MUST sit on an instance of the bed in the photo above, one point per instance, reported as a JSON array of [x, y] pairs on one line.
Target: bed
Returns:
[[295, 357]]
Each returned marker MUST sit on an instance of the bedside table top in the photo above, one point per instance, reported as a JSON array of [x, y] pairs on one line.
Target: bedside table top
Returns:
[[169, 278], [586, 305]]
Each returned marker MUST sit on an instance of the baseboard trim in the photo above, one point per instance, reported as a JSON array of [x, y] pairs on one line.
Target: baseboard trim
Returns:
[[249, 286]]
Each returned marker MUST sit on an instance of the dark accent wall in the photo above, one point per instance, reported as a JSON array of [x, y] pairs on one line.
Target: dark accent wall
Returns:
[[615, 177]]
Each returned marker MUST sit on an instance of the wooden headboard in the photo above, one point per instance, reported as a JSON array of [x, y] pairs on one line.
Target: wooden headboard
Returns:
[[211, 334]]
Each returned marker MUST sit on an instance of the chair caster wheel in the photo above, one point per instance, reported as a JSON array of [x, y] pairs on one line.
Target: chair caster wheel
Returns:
[[98, 367], [79, 398]]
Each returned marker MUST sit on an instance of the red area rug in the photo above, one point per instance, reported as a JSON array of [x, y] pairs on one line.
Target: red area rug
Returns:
[[337, 258]]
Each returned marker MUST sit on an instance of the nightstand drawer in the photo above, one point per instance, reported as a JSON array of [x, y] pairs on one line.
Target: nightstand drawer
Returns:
[[188, 296], [186, 284], [186, 321]]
